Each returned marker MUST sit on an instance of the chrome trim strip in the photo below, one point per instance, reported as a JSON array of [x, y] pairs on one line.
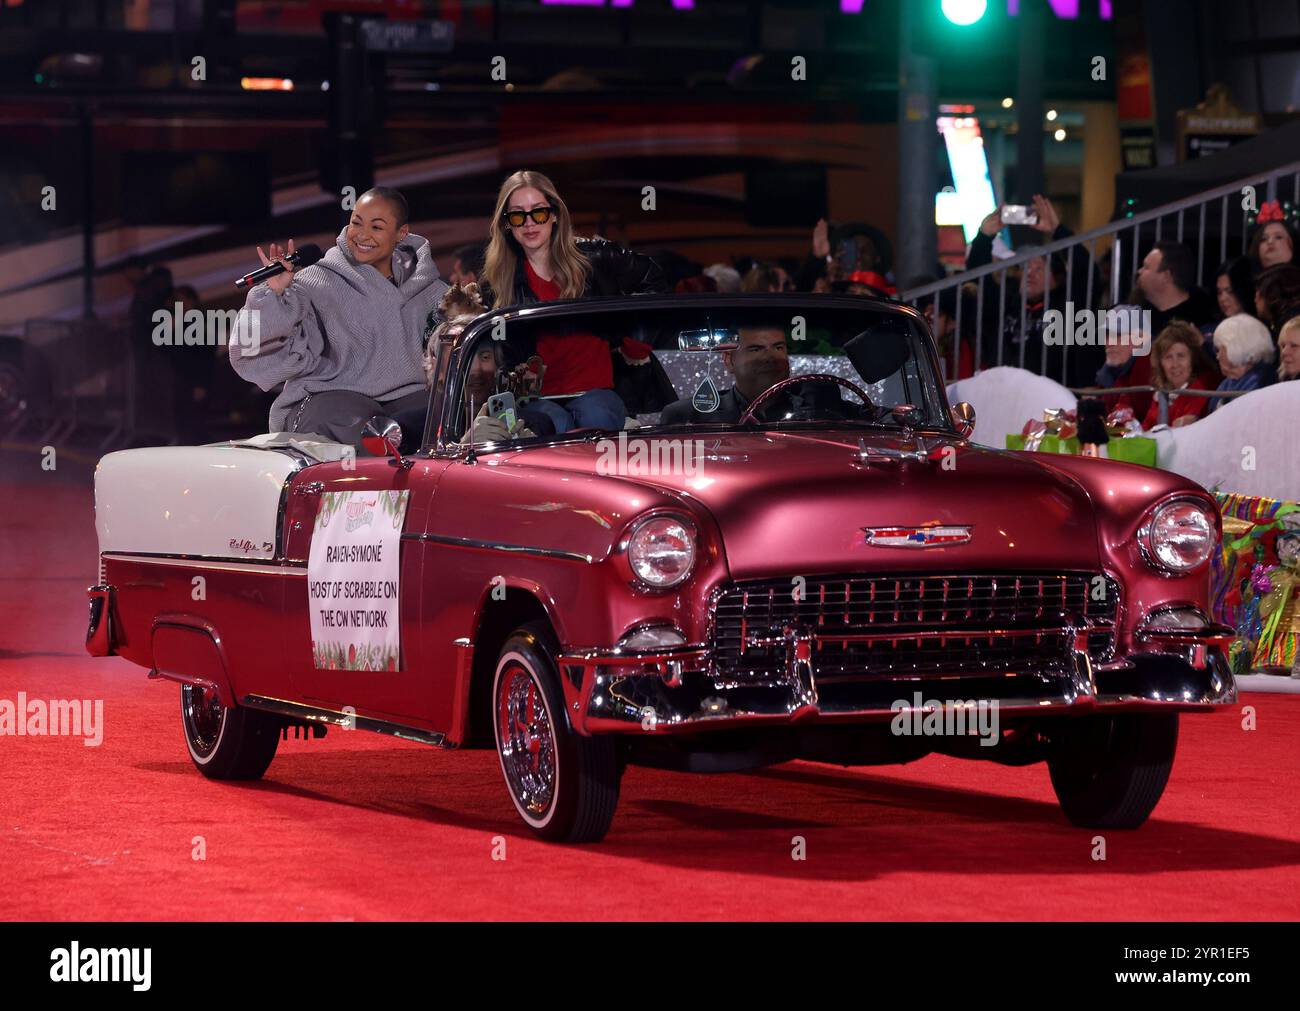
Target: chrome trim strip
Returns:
[[1212, 633], [903, 635], [617, 656], [265, 565], [515, 549], [315, 714], [301, 461], [723, 715]]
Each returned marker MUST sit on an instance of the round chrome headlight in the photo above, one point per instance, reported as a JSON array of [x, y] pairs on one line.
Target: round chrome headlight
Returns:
[[1180, 536], [661, 551]]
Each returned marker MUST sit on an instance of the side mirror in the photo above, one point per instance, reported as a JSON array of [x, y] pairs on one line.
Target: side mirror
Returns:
[[963, 416], [382, 436]]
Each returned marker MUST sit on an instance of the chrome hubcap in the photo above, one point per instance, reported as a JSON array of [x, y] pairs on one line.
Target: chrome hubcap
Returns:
[[204, 715], [526, 741]]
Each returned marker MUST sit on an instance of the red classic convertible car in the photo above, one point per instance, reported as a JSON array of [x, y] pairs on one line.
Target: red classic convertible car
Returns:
[[805, 557]]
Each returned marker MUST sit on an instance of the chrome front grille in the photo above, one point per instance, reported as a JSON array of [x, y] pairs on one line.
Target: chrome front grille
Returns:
[[864, 626]]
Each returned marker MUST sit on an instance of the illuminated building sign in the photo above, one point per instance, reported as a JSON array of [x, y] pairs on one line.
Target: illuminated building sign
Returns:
[[971, 198], [681, 5], [1067, 10]]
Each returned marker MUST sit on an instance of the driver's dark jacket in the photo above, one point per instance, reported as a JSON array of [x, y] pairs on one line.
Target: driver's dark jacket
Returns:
[[732, 404]]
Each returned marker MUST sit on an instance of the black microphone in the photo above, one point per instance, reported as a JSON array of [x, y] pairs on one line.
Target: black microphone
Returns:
[[303, 256]]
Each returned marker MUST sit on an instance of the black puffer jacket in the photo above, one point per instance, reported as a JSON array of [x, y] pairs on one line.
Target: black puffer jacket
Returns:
[[614, 271]]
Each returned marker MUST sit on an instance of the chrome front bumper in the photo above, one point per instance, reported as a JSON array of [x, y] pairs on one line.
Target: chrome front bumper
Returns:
[[679, 690]]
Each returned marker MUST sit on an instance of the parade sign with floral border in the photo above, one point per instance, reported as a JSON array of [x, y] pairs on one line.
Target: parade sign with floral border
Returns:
[[352, 580]]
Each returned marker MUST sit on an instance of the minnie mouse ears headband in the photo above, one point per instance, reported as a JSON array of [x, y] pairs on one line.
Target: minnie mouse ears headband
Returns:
[[1271, 211], [1275, 210]]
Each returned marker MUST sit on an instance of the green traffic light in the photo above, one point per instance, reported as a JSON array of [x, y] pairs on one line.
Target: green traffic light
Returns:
[[964, 12]]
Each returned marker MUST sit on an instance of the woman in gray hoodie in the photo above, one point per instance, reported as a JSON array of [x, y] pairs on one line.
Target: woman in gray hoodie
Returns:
[[345, 336]]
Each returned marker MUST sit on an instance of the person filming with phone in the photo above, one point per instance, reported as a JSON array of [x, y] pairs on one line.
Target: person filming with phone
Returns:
[[1043, 286]]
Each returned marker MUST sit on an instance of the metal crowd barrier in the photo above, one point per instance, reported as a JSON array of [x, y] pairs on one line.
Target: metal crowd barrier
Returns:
[[1209, 211], [1162, 395]]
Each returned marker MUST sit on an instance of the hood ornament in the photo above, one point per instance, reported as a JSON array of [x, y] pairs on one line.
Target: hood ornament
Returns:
[[883, 454], [917, 537]]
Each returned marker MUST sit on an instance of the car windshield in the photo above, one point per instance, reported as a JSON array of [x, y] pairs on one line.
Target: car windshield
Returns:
[[695, 364]]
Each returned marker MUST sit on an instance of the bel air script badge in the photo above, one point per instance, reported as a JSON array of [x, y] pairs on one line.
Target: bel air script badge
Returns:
[[917, 537]]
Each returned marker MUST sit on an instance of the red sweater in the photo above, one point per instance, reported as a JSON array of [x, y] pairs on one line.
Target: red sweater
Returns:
[[1181, 406], [1139, 375], [575, 362]]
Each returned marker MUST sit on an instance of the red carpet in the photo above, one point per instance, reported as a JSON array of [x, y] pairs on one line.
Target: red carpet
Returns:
[[361, 827]]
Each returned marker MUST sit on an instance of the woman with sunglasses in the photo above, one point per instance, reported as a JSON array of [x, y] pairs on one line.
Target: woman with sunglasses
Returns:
[[534, 256]]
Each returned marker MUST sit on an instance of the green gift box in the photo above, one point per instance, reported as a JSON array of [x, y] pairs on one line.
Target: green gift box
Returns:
[[1135, 449]]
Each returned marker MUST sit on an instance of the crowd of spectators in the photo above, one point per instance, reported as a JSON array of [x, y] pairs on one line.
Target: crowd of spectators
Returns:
[[1243, 335], [1244, 338]]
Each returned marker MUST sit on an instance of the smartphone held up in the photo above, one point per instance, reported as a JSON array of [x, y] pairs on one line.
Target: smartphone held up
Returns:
[[1019, 214]]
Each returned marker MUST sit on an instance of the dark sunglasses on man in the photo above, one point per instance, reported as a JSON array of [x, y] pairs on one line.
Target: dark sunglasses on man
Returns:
[[540, 216]]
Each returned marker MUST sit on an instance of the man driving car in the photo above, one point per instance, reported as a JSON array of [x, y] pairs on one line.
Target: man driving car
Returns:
[[759, 361]]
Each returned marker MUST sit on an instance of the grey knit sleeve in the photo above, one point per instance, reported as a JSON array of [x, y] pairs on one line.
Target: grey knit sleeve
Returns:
[[278, 336]]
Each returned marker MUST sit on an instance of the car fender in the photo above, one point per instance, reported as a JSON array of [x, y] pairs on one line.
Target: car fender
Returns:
[[188, 649]]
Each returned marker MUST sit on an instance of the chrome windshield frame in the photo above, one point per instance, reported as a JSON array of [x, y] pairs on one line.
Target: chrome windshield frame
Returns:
[[450, 363]]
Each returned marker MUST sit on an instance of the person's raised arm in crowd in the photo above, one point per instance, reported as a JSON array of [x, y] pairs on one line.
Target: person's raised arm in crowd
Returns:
[[817, 264], [1048, 222]]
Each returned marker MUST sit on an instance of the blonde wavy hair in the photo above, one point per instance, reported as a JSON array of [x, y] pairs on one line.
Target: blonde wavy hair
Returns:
[[569, 268]]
